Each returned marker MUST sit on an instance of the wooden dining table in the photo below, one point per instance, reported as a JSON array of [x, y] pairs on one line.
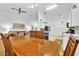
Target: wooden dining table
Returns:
[[31, 46]]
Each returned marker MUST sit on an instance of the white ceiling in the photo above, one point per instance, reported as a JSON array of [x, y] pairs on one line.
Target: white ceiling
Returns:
[[60, 13], [9, 16]]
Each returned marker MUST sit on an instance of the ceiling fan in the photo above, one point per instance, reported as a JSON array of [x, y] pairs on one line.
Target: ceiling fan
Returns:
[[19, 10]]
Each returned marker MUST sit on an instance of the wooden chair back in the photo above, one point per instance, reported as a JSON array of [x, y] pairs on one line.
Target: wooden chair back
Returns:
[[71, 46], [7, 46]]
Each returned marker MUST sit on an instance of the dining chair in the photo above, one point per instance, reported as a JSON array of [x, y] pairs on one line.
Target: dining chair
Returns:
[[71, 46], [7, 45]]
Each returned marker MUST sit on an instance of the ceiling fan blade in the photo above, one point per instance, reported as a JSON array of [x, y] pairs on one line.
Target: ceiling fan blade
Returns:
[[14, 9], [23, 11]]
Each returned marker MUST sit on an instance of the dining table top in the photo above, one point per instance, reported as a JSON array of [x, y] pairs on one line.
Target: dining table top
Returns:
[[31, 46]]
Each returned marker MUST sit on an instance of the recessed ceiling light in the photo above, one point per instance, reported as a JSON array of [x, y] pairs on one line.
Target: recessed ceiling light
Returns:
[[51, 7]]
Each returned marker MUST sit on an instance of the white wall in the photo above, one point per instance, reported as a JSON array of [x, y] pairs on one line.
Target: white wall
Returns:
[[40, 23], [77, 30], [56, 27], [75, 17]]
